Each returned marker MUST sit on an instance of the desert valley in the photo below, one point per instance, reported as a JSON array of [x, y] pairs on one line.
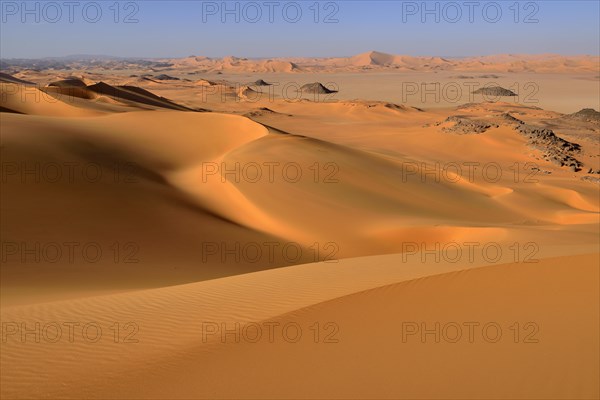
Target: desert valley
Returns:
[[373, 226]]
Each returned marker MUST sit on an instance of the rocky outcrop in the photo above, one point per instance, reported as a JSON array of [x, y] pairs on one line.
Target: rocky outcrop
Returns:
[[464, 125], [554, 149]]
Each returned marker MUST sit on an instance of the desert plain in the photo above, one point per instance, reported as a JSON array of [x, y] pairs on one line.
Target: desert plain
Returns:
[[375, 226]]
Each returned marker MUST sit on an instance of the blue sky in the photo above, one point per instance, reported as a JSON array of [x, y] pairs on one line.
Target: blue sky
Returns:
[[340, 28]]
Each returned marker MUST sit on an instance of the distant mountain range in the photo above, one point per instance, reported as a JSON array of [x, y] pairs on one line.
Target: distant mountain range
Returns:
[[369, 61]]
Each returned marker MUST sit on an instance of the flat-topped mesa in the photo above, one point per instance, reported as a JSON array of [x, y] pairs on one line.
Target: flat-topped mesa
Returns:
[[494, 91], [316, 88]]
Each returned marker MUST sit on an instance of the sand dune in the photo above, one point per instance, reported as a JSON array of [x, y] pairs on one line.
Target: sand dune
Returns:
[[69, 82], [56, 97], [173, 334], [134, 94], [231, 63], [7, 78], [377, 61], [351, 219], [383, 190], [25, 99], [145, 182], [245, 92]]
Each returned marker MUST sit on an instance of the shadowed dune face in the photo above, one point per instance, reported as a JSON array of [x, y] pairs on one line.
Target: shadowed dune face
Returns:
[[62, 98], [69, 82], [134, 94], [7, 78], [129, 188], [185, 175], [121, 204]]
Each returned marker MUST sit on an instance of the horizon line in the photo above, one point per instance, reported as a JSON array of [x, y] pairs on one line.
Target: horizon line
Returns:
[[74, 56]]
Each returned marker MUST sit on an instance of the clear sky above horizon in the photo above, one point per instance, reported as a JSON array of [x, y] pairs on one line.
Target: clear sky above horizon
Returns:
[[177, 28]]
